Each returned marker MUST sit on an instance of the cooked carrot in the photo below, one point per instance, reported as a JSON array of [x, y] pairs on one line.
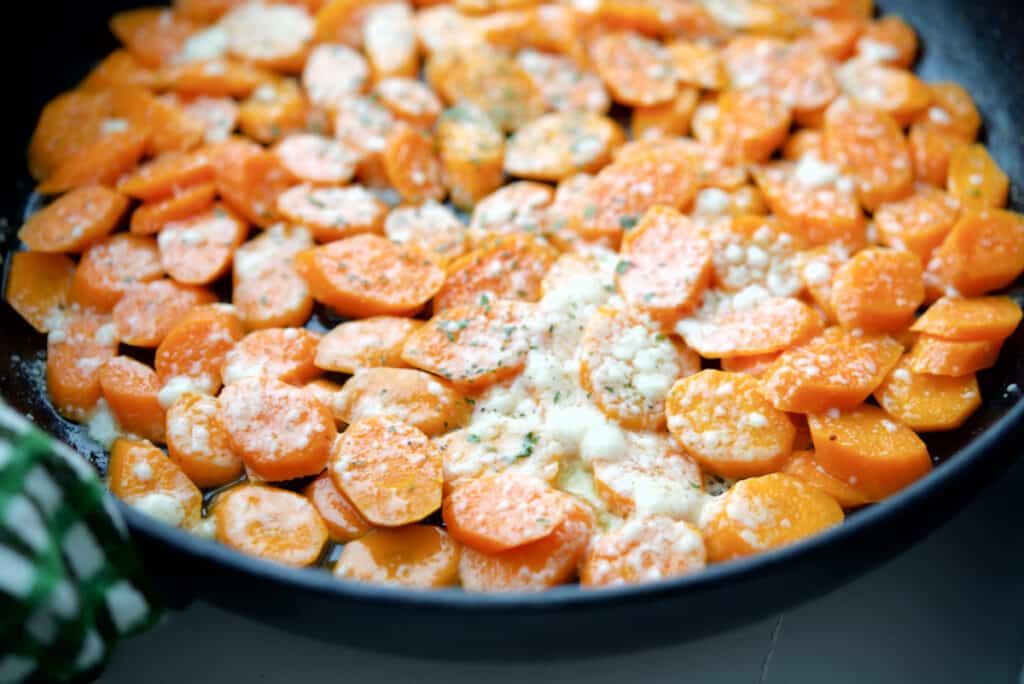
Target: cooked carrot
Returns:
[[74, 221], [890, 38], [928, 403], [167, 175], [837, 369], [409, 100], [472, 151], [750, 126], [817, 267], [935, 356], [270, 523], [430, 226], [171, 129], [563, 84], [655, 478], [70, 122], [755, 366], [931, 148], [198, 442], [475, 346], [665, 265], [557, 145], [101, 163], [492, 81], [918, 223], [637, 71], [268, 291], [275, 36], [118, 69], [140, 475], [805, 142], [336, 273], [285, 354], [414, 397], [341, 21], [836, 36], [197, 346], [970, 319], [219, 115], [389, 40], [333, 213], [131, 388], [804, 465], [984, 252], [389, 470], [367, 343], [712, 164], [39, 287], [198, 250], [275, 109], [519, 207], [976, 180], [764, 513], [749, 249], [415, 556], [722, 420], [869, 449], [108, 269], [772, 325], [220, 77], [151, 217], [148, 311], [413, 169], [154, 35], [344, 523], [644, 550], [509, 267], [279, 430], [895, 92], [953, 112], [698, 65], [75, 352], [665, 120], [316, 159], [363, 125], [878, 290], [249, 180]]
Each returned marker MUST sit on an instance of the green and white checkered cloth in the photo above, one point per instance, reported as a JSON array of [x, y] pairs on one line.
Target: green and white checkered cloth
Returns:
[[70, 583]]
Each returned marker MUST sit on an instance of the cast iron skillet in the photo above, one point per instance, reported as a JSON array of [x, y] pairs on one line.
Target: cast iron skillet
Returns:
[[976, 43]]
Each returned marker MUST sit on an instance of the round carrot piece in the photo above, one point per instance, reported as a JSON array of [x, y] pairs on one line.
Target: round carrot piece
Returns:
[[414, 397], [895, 92], [198, 250], [344, 522], [401, 277], [279, 430], [557, 145], [764, 513], [431, 226], [755, 366], [665, 265], [75, 352], [415, 556], [804, 466], [889, 40], [547, 562], [219, 77], [271, 36], [878, 290], [367, 343], [170, 128], [722, 420], [953, 111], [473, 152], [751, 126], [869, 449], [148, 311], [918, 223], [698, 65], [198, 442], [627, 368], [928, 403], [772, 325], [151, 217], [101, 163], [197, 346], [983, 252], [333, 213], [493, 81], [474, 347], [249, 180], [510, 267], [976, 180], [934, 356], [412, 167], [270, 523], [219, 115], [931, 149], [334, 73], [285, 354], [316, 159], [268, 291], [38, 287], [74, 221], [665, 120], [837, 369], [817, 267], [275, 109], [389, 40], [166, 175], [644, 550], [108, 269], [389, 470], [752, 250], [518, 207], [68, 123], [363, 125], [140, 475], [563, 84], [154, 35], [131, 388], [637, 71], [970, 319], [409, 100]]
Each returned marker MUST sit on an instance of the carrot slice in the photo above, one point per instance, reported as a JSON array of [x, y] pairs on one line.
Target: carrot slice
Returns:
[[928, 403], [74, 221], [198, 250], [918, 223], [869, 449], [765, 513], [637, 71], [750, 126], [953, 112], [367, 343], [148, 311], [275, 109], [931, 149], [722, 420], [755, 366], [389, 470], [837, 369], [154, 35], [198, 442], [889, 40], [166, 175], [804, 465], [68, 123], [108, 269], [475, 346], [415, 556], [270, 523], [131, 388], [970, 319], [896, 92], [665, 265], [389, 40], [217, 77], [562, 83], [341, 21], [285, 354], [665, 120], [275, 37], [772, 325], [344, 522], [494, 82], [363, 124], [878, 290], [334, 73], [219, 115], [414, 397], [698, 65], [817, 267], [976, 180], [644, 550], [316, 159], [511, 267], [406, 276], [196, 347], [752, 250], [118, 69], [75, 352], [39, 287], [983, 252], [171, 129], [934, 356], [101, 163], [472, 151], [151, 217], [268, 291], [333, 213], [412, 167], [519, 207], [431, 226], [140, 475], [557, 145], [409, 100], [250, 179]]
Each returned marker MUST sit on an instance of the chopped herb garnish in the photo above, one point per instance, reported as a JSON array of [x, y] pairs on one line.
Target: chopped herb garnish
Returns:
[[627, 222]]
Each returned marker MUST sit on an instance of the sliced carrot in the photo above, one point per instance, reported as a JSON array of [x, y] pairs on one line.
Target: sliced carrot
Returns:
[[765, 513], [368, 343], [668, 119], [644, 550], [409, 100], [983, 252], [131, 388], [270, 523], [970, 319], [817, 267], [101, 163], [39, 287], [564, 85], [389, 40], [273, 110], [976, 180], [363, 125], [154, 35], [953, 111], [931, 149], [196, 347], [108, 269], [118, 69], [151, 217], [836, 37], [285, 354], [803, 465], [934, 356], [627, 368], [665, 265], [519, 207], [341, 21], [557, 145], [74, 221], [869, 449], [773, 325], [148, 311], [279, 430], [167, 175], [218, 77], [333, 213], [750, 126], [748, 249], [406, 276], [698, 65], [441, 27], [414, 397], [274, 36], [510, 267], [472, 151], [68, 123], [837, 369], [495, 83], [75, 352], [918, 223], [219, 115], [334, 73], [896, 92], [637, 71], [316, 159], [547, 562], [928, 403], [344, 522], [415, 556], [878, 290], [171, 129], [250, 180], [389, 470], [140, 475], [891, 39], [755, 366], [198, 442], [198, 250], [268, 291], [805, 142], [412, 167], [431, 226]]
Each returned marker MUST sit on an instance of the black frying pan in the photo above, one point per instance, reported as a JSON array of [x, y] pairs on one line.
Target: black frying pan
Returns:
[[978, 43]]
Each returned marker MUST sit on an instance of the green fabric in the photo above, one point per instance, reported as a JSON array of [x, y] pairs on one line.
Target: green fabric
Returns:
[[70, 583]]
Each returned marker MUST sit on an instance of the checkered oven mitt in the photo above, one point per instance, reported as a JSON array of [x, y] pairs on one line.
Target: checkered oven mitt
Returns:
[[70, 582]]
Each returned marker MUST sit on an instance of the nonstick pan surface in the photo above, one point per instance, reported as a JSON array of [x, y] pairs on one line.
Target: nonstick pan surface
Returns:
[[978, 44]]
